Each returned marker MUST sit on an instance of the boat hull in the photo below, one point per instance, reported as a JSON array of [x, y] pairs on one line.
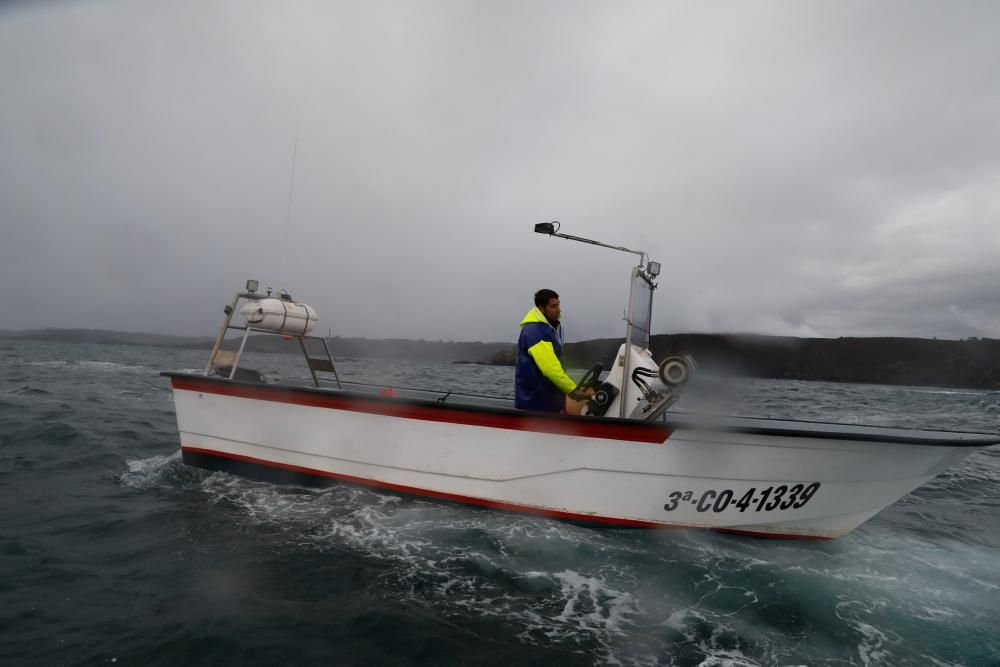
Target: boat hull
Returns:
[[795, 482]]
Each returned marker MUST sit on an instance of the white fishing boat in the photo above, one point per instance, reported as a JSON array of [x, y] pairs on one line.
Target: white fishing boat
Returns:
[[627, 460]]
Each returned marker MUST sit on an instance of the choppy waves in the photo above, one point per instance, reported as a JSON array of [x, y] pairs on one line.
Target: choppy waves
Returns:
[[627, 597], [89, 442]]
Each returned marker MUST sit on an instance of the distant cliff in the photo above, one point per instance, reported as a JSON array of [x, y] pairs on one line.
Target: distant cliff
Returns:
[[971, 363], [387, 348], [384, 348]]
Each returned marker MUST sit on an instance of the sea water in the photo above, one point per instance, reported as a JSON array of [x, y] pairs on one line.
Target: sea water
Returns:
[[112, 551]]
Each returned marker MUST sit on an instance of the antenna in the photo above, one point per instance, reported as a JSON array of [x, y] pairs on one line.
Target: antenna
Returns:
[[288, 212]]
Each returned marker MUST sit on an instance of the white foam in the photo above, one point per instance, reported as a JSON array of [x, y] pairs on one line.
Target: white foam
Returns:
[[936, 614], [611, 608], [728, 659], [89, 365], [939, 663], [109, 366], [148, 473], [872, 649], [576, 607], [689, 623], [949, 392], [677, 619]]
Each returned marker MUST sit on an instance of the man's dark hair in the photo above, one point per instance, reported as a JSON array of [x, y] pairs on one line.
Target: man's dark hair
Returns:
[[543, 296]]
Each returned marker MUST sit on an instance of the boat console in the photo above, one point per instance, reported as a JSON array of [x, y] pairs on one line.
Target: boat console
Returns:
[[635, 387]]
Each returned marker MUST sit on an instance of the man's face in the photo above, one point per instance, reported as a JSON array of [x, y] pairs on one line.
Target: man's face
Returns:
[[551, 311]]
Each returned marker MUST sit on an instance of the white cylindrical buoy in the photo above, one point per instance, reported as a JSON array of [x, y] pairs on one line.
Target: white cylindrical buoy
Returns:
[[280, 316]]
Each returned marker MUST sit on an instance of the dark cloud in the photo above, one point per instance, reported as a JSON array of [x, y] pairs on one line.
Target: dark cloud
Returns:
[[800, 168]]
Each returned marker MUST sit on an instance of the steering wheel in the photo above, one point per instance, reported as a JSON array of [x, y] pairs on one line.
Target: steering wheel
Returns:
[[591, 378]]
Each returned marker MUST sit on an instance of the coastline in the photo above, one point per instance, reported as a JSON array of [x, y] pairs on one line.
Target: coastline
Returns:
[[972, 363]]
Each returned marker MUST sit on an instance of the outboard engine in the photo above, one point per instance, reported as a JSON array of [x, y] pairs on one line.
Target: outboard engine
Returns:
[[650, 389], [675, 370]]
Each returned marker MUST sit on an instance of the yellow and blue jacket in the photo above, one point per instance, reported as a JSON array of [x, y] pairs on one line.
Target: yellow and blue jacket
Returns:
[[540, 383]]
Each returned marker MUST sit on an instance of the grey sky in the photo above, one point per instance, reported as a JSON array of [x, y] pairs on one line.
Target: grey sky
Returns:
[[820, 168]]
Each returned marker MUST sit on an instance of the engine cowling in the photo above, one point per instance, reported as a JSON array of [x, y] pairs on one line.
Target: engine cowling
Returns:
[[675, 370], [649, 390]]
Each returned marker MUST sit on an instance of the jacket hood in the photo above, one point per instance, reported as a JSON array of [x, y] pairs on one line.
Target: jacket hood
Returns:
[[535, 316]]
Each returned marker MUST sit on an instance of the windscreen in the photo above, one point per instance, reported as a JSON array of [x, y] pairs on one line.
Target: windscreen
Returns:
[[640, 308]]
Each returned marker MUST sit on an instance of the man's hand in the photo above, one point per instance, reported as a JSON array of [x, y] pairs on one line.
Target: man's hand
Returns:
[[584, 395]]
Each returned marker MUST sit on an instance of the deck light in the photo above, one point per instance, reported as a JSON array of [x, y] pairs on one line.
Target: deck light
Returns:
[[252, 285], [552, 229], [653, 268]]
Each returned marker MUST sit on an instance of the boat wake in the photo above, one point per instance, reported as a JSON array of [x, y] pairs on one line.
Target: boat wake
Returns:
[[165, 472], [460, 561], [617, 597], [89, 365]]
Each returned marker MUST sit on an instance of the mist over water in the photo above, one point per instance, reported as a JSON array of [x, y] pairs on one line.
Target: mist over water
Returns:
[[114, 551]]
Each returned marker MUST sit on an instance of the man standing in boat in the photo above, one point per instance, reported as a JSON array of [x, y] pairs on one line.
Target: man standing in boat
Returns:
[[540, 383]]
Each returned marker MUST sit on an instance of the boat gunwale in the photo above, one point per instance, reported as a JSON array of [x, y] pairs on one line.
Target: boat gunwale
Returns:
[[848, 432]]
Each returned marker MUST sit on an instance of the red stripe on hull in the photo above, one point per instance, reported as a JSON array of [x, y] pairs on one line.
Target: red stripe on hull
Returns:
[[390, 407], [481, 502]]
